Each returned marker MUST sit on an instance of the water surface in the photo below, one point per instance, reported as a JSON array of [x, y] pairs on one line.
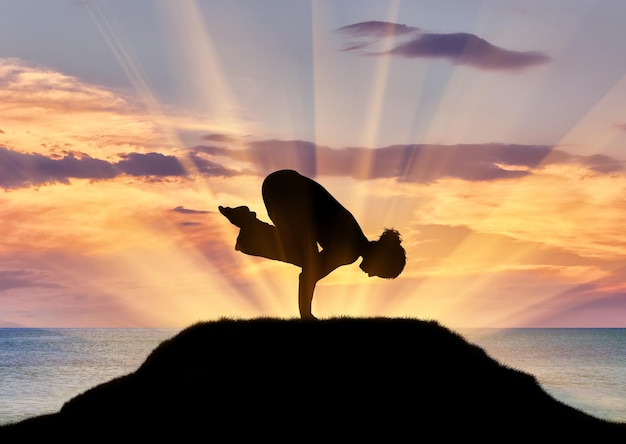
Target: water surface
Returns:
[[40, 369]]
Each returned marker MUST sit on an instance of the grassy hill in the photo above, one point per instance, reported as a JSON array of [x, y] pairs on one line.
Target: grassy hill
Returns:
[[337, 379]]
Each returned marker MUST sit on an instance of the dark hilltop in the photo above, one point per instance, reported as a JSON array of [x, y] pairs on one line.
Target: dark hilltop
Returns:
[[384, 379]]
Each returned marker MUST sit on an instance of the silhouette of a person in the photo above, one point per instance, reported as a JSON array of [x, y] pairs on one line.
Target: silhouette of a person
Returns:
[[306, 215]]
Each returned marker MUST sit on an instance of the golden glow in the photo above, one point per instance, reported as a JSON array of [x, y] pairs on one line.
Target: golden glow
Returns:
[[480, 253]]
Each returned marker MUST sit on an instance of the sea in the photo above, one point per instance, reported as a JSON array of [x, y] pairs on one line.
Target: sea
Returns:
[[41, 369]]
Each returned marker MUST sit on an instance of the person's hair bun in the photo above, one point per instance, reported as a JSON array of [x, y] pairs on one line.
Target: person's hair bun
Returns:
[[390, 237]]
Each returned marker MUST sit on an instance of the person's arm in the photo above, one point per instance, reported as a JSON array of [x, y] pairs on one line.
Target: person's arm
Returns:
[[321, 266], [306, 287]]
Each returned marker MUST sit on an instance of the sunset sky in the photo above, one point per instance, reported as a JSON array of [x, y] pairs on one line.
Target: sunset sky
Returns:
[[491, 134]]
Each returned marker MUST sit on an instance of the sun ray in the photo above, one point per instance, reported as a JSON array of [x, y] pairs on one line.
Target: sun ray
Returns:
[[203, 68], [599, 128], [369, 136], [457, 96], [210, 81], [114, 36]]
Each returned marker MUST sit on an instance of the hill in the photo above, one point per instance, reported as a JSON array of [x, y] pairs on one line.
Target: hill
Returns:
[[336, 379]]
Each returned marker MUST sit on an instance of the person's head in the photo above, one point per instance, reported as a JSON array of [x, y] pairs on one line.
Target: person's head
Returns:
[[385, 257]]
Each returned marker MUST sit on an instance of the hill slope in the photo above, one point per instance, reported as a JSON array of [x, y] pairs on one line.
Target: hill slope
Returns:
[[334, 379]]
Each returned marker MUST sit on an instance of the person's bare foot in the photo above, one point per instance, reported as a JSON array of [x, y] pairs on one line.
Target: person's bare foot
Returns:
[[237, 216]]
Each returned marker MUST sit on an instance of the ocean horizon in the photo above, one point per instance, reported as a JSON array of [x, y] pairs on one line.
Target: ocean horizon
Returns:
[[42, 368]]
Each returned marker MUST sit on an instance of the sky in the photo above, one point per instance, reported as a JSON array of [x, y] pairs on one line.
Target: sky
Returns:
[[490, 134]]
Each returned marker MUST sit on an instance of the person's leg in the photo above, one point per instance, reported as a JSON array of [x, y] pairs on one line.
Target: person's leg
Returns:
[[256, 237], [287, 198], [238, 216]]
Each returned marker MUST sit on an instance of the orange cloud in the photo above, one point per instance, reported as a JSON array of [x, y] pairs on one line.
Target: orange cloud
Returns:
[[561, 206], [44, 110]]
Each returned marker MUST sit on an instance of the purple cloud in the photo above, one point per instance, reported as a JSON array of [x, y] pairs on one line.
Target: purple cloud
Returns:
[[412, 163], [459, 48], [151, 164], [376, 29], [184, 210], [468, 49], [22, 169], [189, 224], [18, 170]]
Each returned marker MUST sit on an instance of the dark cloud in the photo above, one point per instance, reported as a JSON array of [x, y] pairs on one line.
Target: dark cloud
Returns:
[[19, 169], [459, 48], [355, 46], [621, 126], [184, 210], [270, 155], [468, 49], [376, 29], [23, 169], [300, 154], [1, 132], [151, 164], [412, 163]]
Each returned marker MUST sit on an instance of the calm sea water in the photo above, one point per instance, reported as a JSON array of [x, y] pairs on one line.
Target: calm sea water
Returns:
[[584, 368], [40, 369]]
